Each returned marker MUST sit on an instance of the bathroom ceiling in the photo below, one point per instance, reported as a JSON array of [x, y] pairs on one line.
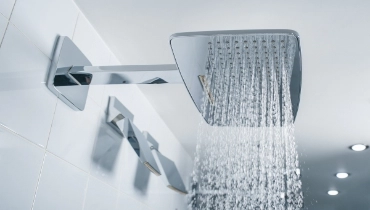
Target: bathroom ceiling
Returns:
[[334, 112]]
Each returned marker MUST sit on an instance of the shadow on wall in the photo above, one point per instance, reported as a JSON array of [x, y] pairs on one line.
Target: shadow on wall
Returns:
[[142, 173], [110, 140], [106, 152], [107, 146]]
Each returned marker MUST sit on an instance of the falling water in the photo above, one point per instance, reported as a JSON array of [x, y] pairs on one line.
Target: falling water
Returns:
[[246, 155]]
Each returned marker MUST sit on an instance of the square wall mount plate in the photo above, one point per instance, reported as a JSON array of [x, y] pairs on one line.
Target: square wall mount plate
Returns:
[[66, 56]]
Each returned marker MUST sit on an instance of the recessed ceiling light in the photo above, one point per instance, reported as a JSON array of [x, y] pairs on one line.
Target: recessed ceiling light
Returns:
[[358, 147], [342, 175], [333, 192]]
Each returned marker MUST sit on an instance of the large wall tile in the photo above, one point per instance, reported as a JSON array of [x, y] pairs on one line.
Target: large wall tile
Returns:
[[173, 200], [44, 20], [136, 179], [100, 196], [90, 43], [62, 186], [96, 93], [19, 54], [113, 60], [73, 133], [3, 24], [107, 160], [27, 106], [6, 7], [20, 164], [126, 202], [124, 94]]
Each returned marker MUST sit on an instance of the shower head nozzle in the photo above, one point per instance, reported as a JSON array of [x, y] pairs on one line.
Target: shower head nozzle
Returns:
[[240, 55]]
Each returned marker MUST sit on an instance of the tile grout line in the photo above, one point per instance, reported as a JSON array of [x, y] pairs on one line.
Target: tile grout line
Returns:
[[45, 148], [45, 153], [117, 198], [30, 40], [100, 37], [66, 161], [52, 122], [7, 25], [74, 30], [89, 169], [85, 191], [38, 181], [19, 135]]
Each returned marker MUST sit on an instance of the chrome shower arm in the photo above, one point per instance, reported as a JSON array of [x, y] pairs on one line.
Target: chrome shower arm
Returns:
[[71, 74], [124, 74]]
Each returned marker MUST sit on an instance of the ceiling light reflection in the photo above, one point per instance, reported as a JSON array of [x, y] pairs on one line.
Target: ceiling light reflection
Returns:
[[358, 147], [333, 192], [342, 175]]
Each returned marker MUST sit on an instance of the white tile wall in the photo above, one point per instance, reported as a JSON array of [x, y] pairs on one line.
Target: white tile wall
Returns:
[[126, 202], [20, 164], [57, 158], [6, 7], [96, 50], [27, 106], [3, 24], [44, 20], [108, 157], [113, 60], [72, 135], [90, 42], [100, 196], [62, 186]]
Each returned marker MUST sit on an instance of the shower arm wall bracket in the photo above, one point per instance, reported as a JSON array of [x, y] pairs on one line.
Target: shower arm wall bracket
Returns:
[[71, 74]]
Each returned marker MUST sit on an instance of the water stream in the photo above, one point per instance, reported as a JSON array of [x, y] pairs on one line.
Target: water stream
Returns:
[[246, 154]]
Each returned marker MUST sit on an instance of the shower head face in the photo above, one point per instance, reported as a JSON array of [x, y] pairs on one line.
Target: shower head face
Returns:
[[196, 52]]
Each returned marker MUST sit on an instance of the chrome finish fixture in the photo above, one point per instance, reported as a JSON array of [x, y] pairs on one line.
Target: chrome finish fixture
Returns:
[[141, 147], [120, 119], [118, 115], [71, 74], [191, 52], [170, 175]]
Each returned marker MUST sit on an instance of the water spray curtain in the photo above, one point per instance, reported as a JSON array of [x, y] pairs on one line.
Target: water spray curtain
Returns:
[[246, 156]]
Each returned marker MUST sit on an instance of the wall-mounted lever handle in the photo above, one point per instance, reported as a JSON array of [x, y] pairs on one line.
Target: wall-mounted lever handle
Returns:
[[118, 116], [120, 119]]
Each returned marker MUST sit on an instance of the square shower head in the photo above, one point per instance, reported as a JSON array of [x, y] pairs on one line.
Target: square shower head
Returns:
[[196, 53]]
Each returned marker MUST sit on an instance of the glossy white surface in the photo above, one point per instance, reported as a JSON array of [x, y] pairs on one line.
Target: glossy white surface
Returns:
[[113, 60], [107, 159], [73, 133], [6, 7], [20, 163], [84, 35], [44, 20], [27, 106], [166, 100], [136, 178], [100, 196], [126, 202], [62, 185], [3, 24], [98, 53], [81, 146]]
